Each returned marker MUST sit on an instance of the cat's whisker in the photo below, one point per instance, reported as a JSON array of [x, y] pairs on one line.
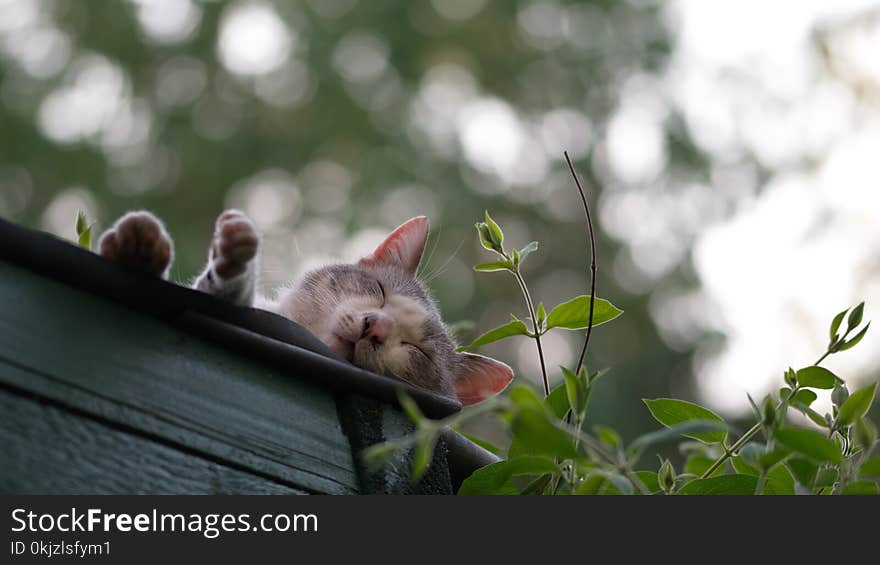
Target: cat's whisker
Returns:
[[442, 269], [427, 261]]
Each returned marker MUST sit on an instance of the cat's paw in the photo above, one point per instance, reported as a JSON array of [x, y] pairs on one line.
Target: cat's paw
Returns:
[[235, 244], [139, 241]]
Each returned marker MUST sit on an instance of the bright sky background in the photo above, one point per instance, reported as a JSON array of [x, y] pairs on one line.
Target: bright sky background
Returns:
[[805, 244]]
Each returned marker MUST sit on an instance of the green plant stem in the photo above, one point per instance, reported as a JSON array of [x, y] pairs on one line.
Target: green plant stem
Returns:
[[578, 431], [833, 347], [537, 330], [762, 482], [728, 453], [753, 431]]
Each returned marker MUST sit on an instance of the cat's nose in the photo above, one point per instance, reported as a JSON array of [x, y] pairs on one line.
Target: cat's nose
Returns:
[[376, 327]]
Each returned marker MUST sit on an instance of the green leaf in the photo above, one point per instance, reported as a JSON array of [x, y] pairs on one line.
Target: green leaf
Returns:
[[817, 377], [809, 443], [608, 436], [779, 482], [423, 454], [855, 317], [525, 397], [805, 396], [689, 429], [856, 405], [772, 458], [574, 314], [839, 394], [531, 466], [536, 434], [83, 230], [751, 451], [527, 250], [542, 314], [503, 265], [376, 456], [826, 477], [860, 488], [410, 408], [871, 467], [577, 390], [670, 412], [512, 328], [768, 412], [864, 433], [557, 401], [697, 464], [725, 484], [487, 445], [485, 236], [740, 465], [854, 341], [85, 238], [835, 325], [666, 476], [595, 376], [811, 414], [495, 231], [591, 484], [537, 486], [496, 478], [649, 480], [790, 377], [81, 222], [804, 470]]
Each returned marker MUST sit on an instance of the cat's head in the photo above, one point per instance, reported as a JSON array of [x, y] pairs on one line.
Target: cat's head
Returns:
[[380, 317]]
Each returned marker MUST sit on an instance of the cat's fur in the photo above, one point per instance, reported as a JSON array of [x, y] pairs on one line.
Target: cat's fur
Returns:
[[375, 313]]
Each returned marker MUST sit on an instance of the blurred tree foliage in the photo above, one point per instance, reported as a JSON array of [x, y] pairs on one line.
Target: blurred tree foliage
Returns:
[[204, 127]]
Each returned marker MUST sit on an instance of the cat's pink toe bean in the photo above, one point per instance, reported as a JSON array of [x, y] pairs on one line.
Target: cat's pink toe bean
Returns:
[[108, 246], [138, 241], [235, 244], [231, 214], [236, 226]]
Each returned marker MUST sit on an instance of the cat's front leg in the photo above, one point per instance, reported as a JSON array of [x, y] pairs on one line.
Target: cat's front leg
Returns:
[[231, 272], [139, 241]]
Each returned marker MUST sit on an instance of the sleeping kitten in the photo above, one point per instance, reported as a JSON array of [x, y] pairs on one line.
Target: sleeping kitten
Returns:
[[375, 313]]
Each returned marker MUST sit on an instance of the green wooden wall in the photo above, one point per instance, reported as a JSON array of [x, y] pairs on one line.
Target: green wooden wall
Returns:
[[97, 398]]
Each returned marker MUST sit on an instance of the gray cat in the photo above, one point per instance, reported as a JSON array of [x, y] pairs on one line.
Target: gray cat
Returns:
[[375, 313]]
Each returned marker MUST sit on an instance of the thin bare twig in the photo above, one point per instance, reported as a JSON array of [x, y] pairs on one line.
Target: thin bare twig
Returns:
[[592, 240]]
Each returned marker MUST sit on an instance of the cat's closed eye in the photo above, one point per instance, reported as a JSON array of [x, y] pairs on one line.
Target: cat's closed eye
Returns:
[[417, 349], [382, 293]]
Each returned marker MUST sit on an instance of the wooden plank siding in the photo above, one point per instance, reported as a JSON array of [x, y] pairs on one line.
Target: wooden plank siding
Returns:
[[93, 360], [51, 450]]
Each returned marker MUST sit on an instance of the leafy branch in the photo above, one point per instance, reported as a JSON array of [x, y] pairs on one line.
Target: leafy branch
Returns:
[[551, 452], [808, 377]]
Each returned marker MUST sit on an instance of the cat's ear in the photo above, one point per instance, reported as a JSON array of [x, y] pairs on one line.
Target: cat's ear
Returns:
[[403, 248], [480, 377]]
